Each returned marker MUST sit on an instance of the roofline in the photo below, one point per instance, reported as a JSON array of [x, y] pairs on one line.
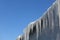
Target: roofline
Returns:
[[31, 23]]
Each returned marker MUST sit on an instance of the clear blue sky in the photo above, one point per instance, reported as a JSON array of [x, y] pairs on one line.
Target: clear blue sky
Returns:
[[15, 15]]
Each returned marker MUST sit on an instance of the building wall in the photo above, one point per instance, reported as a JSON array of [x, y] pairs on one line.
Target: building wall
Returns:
[[50, 24]]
